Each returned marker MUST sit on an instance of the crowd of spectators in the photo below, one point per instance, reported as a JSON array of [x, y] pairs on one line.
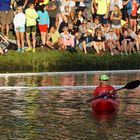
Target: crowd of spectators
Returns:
[[93, 26]]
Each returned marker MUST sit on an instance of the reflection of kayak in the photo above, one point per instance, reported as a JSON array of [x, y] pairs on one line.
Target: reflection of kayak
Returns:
[[105, 105]]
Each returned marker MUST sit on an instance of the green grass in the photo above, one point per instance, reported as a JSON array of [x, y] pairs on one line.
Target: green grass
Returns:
[[52, 60]]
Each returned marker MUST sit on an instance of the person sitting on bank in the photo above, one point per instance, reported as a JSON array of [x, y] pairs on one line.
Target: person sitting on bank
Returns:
[[54, 39], [104, 88]]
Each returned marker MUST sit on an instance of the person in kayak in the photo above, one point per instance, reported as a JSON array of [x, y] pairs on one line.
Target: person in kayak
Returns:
[[104, 88]]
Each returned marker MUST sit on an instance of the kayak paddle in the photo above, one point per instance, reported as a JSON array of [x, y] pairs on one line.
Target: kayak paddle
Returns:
[[130, 85]]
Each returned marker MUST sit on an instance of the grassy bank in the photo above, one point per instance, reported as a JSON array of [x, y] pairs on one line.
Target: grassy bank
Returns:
[[65, 61]]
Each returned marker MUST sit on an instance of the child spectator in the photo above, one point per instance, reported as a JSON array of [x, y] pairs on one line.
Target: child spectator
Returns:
[[99, 42], [67, 38], [43, 22], [127, 42], [63, 23], [31, 16], [19, 27]]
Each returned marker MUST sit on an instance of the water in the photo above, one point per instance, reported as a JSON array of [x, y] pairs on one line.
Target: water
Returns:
[[46, 114]]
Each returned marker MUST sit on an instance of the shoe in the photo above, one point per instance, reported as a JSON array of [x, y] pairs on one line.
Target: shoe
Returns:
[[33, 50], [18, 50], [126, 53], [28, 49], [121, 53], [22, 50], [112, 53]]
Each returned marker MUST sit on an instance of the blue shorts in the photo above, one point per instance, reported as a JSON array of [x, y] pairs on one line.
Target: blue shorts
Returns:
[[87, 45], [20, 29], [102, 19]]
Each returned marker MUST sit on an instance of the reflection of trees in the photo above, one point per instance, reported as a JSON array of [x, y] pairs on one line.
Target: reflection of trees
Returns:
[[131, 102], [67, 80]]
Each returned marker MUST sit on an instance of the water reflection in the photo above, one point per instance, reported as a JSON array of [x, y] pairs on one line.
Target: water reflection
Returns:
[[47, 114]]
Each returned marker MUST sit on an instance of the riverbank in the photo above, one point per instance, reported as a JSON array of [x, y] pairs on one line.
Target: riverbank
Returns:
[[53, 60]]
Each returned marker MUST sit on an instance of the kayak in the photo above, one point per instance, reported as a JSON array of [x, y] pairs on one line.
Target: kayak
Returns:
[[105, 105]]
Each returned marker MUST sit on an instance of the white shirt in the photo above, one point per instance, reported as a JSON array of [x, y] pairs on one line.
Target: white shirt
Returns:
[[19, 20], [109, 36]]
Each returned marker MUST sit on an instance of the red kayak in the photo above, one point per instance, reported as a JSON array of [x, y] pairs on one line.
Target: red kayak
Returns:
[[104, 108], [105, 105]]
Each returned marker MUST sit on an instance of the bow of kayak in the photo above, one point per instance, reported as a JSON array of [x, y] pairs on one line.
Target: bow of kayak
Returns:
[[105, 105]]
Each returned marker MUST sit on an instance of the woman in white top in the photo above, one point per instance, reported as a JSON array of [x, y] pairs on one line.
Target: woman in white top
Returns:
[[19, 27]]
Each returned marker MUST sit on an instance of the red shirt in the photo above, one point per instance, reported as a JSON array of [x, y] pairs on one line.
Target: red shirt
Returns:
[[100, 90], [134, 8]]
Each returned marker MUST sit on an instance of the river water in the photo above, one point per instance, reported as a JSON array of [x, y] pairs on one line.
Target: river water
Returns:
[[39, 107]]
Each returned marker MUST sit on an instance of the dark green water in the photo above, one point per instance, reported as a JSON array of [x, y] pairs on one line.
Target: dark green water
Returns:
[[47, 114]]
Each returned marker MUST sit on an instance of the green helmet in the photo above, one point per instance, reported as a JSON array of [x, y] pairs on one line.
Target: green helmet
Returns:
[[104, 77]]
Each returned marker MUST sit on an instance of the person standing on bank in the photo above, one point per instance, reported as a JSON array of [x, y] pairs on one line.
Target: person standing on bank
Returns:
[[31, 16], [19, 27], [104, 87], [6, 16], [43, 23]]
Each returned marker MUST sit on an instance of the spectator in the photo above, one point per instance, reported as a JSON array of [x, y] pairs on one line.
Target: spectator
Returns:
[[138, 42], [88, 12], [6, 16], [133, 15], [116, 17], [138, 19], [31, 16], [103, 10], [83, 27], [86, 40], [63, 23], [19, 27], [135, 38], [112, 41], [80, 16], [99, 42], [124, 10], [43, 22], [127, 42], [67, 38], [53, 10], [54, 39]]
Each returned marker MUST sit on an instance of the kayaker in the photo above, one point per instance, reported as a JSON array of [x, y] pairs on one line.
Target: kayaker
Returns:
[[103, 88]]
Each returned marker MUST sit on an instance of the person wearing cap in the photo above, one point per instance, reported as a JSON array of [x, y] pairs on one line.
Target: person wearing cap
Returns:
[[104, 87]]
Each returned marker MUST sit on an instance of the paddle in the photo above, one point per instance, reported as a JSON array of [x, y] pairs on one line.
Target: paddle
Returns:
[[130, 85]]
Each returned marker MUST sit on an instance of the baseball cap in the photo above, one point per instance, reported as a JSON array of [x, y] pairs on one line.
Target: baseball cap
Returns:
[[104, 77]]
